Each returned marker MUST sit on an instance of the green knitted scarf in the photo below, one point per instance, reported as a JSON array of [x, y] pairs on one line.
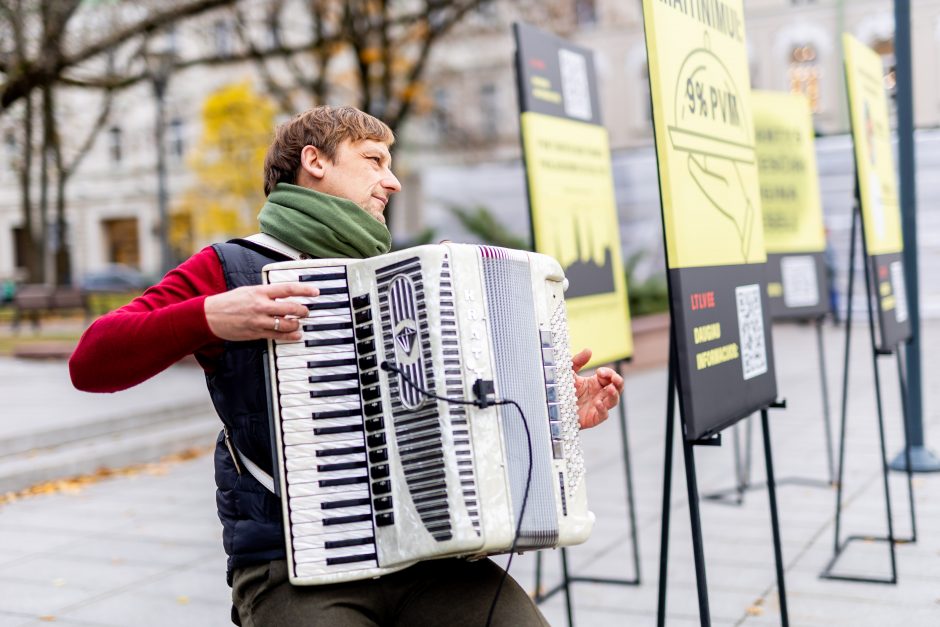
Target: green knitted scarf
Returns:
[[322, 225]]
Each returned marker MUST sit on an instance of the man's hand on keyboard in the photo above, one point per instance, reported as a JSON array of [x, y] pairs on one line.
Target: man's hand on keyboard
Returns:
[[596, 394], [258, 312]]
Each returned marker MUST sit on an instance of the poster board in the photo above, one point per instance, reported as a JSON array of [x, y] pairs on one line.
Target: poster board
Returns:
[[794, 232], [571, 188], [877, 186], [712, 224]]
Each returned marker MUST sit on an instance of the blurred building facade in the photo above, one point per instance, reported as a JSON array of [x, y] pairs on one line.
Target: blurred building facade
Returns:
[[461, 147]]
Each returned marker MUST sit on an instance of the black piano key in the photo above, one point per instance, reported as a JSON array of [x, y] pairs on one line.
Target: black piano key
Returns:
[[327, 378], [329, 483], [329, 341], [376, 439], [337, 392], [340, 544], [321, 306], [332, 363], [340, 466], [350, 559], [368, 363], [384, 502], [336, 413], [345, 503], [333, 291], [372, 409], [379, 472], [363, 316], [377, 456], [369, 378], [360, 301], [339, 429], [384, 520], [345, 520], [346, 450], [333, 326], [375, 424], [334, 276], [381, 487], [372, 393]]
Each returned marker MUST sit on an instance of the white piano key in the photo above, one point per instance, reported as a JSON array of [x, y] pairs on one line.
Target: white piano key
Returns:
[[311, 489], [294, 274], [293, 349], [333, 492], [299, 387], [310, 535], [319, 541], [307, 516], [316, 502], [305, 400], [306, 409], [307, 436], [302, 373]]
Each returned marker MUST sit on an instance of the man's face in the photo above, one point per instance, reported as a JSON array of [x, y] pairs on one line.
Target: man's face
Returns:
[[361, 172]]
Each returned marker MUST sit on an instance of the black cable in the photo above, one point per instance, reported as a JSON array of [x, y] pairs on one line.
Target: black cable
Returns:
[[483, 403]]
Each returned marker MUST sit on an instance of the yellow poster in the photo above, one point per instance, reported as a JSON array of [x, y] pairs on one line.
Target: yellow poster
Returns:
[[789, 180], [874, 159], [574, 217], [703, 121]]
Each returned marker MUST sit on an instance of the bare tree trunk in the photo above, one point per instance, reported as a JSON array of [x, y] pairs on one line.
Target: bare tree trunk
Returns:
[[33, 253]]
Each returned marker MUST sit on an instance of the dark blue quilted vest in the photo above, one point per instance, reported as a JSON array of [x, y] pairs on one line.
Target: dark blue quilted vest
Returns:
[[252, 531]]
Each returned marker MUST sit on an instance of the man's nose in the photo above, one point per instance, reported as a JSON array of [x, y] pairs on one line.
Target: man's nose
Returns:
[[391, 183]]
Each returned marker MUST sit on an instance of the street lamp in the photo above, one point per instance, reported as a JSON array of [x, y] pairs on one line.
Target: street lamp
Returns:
[[159, 67]]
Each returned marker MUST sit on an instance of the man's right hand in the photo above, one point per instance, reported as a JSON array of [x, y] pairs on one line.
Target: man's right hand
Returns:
[[248, 313]]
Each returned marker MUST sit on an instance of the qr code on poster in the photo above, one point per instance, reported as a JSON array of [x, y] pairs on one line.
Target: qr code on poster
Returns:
[[800, 287], [575, 89], [751, 329]]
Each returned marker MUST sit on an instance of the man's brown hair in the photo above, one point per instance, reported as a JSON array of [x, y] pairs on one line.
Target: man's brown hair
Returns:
[[325, 128]]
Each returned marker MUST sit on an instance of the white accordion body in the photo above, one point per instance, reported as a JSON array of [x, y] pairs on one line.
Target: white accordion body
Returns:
[[375, 475]]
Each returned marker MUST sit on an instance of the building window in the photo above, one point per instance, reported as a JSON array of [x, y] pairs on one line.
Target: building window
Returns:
[[114, 143], [585, 12], [121, 241], [177, 138], [489, 111], [885, 49], [803, 73], [442, 120], [222, 33]]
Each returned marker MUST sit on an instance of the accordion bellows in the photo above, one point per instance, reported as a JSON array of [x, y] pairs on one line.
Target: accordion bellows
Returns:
[[375, 475]]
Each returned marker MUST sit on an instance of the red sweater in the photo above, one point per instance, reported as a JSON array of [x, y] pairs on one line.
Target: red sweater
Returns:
[[153, 331]]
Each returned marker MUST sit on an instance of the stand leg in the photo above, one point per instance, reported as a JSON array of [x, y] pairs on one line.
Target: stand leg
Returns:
[[538, 577], [697, 543], [667, 489], [738, 465], [774, 520], [902, 382], [869, 287], [564, 572], [845, 379], [631, 504], [824, 388]]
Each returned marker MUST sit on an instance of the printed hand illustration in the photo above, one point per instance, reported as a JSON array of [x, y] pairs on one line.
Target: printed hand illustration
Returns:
[[720, 181]]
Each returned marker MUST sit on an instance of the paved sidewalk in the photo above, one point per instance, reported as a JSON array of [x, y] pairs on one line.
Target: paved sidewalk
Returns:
[[146, 549]]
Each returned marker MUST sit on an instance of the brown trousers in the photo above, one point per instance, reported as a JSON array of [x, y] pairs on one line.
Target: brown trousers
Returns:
[[449, 592]]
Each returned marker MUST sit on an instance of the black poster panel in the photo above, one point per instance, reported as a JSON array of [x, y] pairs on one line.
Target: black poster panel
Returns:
[[891, 299], [797, 285], [725, 353]]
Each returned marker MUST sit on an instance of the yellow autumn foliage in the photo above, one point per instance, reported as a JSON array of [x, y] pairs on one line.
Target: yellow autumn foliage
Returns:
[[228, 161]]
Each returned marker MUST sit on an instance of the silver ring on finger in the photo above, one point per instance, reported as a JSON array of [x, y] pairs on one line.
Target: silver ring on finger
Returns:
[[277, 323]]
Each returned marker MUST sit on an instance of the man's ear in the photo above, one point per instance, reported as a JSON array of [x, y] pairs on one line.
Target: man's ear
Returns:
[[312, 162]]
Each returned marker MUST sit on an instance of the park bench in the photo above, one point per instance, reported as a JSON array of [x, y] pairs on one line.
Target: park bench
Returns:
[[34, 300]]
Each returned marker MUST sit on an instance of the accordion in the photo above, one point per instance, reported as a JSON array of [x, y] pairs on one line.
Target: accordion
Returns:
[[379, 463]]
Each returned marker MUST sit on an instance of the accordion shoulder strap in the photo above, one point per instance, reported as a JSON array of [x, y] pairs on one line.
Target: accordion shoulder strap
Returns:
[[241, 460]]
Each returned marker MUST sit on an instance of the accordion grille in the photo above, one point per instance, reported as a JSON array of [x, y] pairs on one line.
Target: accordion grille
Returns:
[[517, 354], [417, 424]]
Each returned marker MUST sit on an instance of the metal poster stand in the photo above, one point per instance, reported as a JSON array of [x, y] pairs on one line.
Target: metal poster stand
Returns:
[[694, 514], [840, 546], [742, 467], [567, 577]]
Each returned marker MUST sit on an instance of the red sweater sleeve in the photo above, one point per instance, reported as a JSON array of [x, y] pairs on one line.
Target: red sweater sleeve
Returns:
[[153, 331]]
